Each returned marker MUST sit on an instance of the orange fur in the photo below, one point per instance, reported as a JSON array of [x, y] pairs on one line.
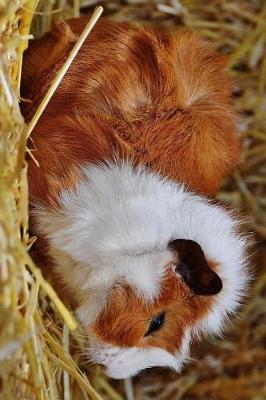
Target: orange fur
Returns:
[[63, 144], [164, 95], [159, 98], [126, 317]]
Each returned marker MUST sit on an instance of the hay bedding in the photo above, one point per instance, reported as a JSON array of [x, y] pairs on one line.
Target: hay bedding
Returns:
[[38, 355]]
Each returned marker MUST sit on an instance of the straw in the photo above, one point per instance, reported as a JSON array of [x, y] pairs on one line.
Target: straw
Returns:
[[96, 15]]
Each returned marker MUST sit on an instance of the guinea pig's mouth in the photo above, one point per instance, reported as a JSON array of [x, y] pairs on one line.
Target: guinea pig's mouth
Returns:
[[131, 361], [122, 363]]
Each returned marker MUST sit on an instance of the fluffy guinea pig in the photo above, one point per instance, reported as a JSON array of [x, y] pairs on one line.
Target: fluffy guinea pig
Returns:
[[131, 146]]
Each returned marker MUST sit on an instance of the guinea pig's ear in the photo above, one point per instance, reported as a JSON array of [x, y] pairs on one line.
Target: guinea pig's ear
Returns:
[[194, 269]]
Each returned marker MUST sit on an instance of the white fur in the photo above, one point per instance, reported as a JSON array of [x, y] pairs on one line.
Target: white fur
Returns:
[[116, 226], [121, 363]]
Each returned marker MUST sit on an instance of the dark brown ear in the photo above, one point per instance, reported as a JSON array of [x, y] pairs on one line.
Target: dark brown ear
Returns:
[[194, 269]]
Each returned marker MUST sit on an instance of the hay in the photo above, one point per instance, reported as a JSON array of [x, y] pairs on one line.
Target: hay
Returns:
[[34, 353], [38, 355]]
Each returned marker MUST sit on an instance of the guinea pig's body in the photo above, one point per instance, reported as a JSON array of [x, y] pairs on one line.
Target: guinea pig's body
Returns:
[[141, 118]]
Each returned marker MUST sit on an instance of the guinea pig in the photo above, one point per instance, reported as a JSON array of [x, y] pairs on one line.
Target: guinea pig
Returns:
[[137, 137]]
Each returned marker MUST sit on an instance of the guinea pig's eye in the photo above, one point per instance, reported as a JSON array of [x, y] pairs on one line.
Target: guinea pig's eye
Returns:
[[156, 324]]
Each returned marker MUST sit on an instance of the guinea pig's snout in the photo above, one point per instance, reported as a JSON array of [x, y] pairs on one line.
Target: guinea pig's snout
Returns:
[[194, 268], [116, 362], [102, 355]]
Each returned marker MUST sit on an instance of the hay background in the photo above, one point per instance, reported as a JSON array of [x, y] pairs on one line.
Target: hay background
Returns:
[[34, 341]]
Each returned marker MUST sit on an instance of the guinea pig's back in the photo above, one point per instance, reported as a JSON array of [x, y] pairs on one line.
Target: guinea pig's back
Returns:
[[164, 95], [108, 72]]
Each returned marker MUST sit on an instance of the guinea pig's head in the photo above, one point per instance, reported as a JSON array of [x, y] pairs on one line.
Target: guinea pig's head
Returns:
[[151, 266], [132, 333]]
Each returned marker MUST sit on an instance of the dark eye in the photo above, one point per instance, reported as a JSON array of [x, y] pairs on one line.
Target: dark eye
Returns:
[[156, 324]]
